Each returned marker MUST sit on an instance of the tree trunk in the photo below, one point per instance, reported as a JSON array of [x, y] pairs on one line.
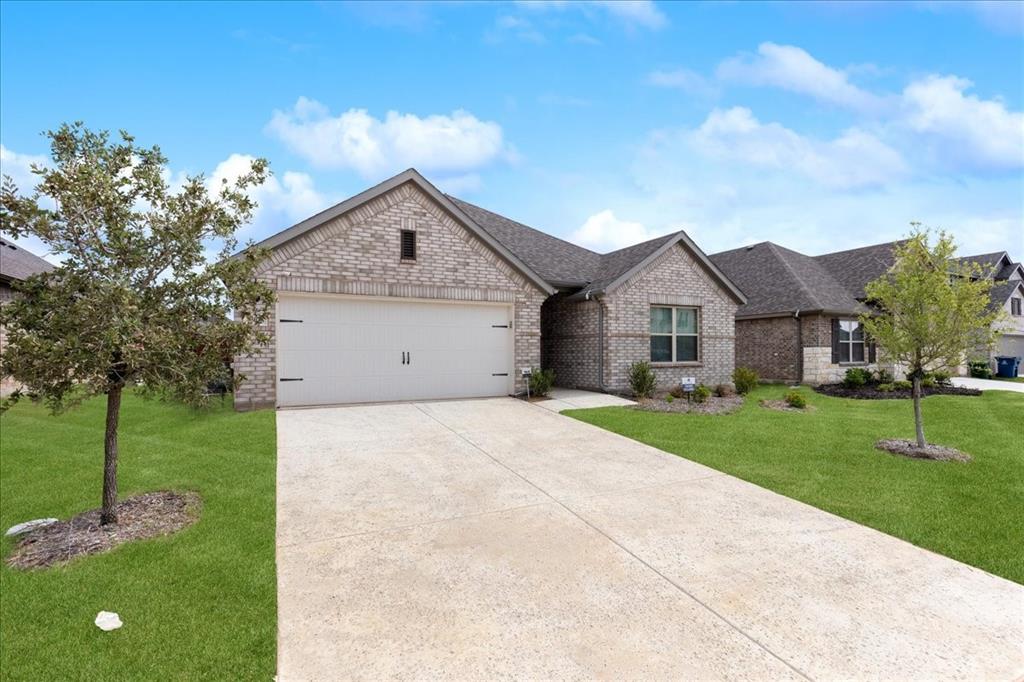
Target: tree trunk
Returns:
[[918, 422], [109, 513]]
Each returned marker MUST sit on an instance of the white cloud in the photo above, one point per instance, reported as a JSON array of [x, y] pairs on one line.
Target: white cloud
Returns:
[[793, 69], [966, 131], [641, 13], [446, 144], [854, 159], [282, 200], [603, 232], [631, 13], [681, 79], [19, 168]]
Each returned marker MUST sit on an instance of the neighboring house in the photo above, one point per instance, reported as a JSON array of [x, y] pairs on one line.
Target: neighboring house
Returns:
[[1008, 294], [405, 293], [800, 322], [16, 265]]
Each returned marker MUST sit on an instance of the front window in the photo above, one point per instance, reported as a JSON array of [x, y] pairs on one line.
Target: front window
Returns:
[[673, 334], [851, 341], [1015, 306]]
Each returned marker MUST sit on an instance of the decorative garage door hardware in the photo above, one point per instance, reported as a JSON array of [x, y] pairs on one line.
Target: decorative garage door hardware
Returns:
[[499, 326], [500, 374], [290, 379], [289, 320], [406, 358]]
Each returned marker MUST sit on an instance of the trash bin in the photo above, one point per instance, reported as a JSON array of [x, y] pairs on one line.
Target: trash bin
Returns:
[[1006, 366]]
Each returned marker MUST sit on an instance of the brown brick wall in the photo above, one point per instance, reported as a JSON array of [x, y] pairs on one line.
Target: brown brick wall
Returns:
[[358, 253], [569, 341], [769, 347], [674, 278]]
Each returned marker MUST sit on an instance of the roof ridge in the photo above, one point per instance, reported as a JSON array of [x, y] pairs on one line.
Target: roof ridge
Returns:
[[860, 248], [528, 227], [663, 238], [799, 280]]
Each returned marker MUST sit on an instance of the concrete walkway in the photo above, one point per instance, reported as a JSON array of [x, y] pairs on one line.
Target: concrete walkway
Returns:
[[573, 399], [497, 539], [988, 384]]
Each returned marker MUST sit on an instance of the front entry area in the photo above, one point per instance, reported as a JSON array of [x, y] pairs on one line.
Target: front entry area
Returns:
[[333, 350]]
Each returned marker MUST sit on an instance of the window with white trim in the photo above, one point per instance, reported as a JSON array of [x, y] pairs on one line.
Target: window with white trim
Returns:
[[1015, 306], [674, 334], [851, 341]]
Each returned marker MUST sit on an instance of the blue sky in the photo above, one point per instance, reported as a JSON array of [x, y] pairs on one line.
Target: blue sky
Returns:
[[817, 126]]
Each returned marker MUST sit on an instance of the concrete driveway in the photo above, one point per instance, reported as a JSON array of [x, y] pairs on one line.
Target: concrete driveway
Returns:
[[988, 384], [498, 539]]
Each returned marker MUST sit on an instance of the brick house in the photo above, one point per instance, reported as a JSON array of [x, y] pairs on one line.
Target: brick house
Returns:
[[800, 322], [405, 293], [16, 265]]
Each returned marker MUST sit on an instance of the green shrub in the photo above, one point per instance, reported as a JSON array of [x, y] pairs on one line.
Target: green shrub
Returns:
[[796, 399], [745, 380], [928, 381], [942, 378], [669, 398], [856, 377], [902, 385], [886, 387], [701, 393], [541, 381], [884, 376], [979, 369], [724, 390], [642, 379]]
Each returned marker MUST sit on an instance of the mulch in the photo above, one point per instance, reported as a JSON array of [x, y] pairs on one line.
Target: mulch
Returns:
[[906, 448], [872, 392], [713, 405], [144, 516], [783, 406]]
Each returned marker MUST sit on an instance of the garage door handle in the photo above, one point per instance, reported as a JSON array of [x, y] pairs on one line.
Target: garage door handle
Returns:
[[291, 379], [408, 358]]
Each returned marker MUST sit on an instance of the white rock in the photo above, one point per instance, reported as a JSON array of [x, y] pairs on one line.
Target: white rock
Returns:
[[29, 525], [107, 621]]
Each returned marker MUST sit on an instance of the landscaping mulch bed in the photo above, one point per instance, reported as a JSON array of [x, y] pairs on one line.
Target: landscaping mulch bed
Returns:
[[906, 448], [783, 406], [713, 405], [872, 392], [144, 516]]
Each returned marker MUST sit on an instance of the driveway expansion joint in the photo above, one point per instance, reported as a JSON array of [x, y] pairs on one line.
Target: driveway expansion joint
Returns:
[[625, 549]]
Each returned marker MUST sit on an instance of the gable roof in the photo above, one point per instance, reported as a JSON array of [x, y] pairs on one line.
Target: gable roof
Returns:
[[1002, 291], [547, 260], [779, 281], [18, 264], [411, 176]]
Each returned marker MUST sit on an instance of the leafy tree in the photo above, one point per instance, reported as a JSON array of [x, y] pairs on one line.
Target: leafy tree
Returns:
[[930, 310], [134, 302]]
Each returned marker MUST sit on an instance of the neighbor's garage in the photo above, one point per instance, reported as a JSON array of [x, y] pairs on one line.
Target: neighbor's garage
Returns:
[[333, 350], [1011, 344]]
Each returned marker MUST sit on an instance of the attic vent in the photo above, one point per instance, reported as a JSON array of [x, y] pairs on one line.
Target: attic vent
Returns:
[[408, 245]]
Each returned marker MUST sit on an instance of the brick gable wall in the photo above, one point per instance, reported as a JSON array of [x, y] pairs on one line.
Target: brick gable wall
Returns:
[[770, 347], [674, 278], [358, 254]]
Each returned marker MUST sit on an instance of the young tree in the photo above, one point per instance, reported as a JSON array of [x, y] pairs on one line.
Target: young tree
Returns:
[[930, 310], [135, 301]]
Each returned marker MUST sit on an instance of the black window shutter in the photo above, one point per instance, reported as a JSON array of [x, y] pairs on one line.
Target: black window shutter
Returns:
[[835, 341], [871, 350], [408, 245]]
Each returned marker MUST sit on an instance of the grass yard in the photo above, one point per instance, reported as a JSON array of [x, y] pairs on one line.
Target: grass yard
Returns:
[[971, 512], [197, 604]]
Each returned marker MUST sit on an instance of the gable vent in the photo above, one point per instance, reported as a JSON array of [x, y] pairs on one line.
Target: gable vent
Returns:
[[408, 245]]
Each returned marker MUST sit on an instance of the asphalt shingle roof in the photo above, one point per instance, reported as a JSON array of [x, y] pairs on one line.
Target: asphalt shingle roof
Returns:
[[18, 264], [779, 281], [556, 260]]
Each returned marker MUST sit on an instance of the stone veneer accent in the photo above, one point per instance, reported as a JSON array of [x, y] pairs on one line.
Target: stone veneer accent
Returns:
[[674, 278], [358, 254]]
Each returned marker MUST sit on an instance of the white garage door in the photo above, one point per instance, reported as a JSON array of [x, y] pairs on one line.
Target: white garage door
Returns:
[[336, 350], [1011, 344]]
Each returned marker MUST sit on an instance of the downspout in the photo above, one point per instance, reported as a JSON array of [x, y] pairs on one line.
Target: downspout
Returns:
[[799, 348]]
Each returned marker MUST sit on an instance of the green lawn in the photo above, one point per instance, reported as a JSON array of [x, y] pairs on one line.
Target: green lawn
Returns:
[[971, 512], [198, 604]]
